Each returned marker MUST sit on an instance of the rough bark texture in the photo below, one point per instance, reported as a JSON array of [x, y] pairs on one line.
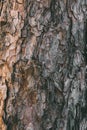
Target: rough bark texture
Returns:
[[43, 64]]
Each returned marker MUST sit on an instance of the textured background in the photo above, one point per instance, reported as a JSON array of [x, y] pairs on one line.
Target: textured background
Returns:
[[43, 64]]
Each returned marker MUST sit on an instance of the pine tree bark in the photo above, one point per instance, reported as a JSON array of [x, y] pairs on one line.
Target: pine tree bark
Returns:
[[43, 65]]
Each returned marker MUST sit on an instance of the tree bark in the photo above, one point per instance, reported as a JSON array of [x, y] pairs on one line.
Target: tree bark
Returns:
[[43, 65]]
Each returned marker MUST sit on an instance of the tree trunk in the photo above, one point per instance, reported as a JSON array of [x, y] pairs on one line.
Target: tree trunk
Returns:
[[43, 65]]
